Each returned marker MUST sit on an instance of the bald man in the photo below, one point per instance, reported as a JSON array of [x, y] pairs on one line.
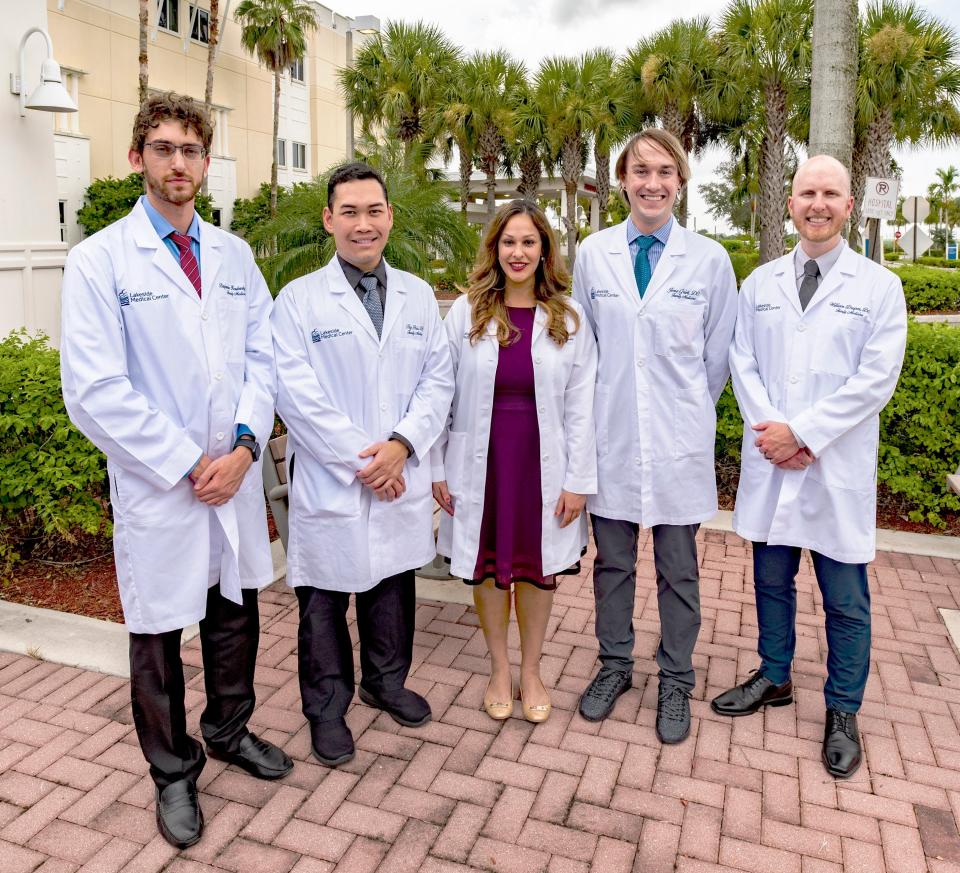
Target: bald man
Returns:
[[816, 355]]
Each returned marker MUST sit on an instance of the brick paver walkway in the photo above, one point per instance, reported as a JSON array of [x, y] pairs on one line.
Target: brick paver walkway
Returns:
[[467, 793]]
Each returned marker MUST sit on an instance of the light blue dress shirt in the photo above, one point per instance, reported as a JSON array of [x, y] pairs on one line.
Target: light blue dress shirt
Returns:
[[661, 235], [164, 228]]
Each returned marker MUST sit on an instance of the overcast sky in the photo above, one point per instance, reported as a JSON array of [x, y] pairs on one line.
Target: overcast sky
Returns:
[[535, 29]]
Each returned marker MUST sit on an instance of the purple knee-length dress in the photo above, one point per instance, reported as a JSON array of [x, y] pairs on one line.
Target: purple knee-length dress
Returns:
[[511, 529]]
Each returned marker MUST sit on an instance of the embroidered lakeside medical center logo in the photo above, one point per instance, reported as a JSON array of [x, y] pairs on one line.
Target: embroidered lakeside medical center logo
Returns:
[[333, 333], [125, 298], [596, 293]]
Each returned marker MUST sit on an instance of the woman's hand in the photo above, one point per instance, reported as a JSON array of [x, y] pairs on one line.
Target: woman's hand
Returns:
[[570, 506], [442, 495]]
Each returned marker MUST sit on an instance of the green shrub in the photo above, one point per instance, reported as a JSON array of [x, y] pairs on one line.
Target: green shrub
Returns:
[[919, 436], [109, 199], [51, 478], [744, 263], [938, 262], [929, 290]]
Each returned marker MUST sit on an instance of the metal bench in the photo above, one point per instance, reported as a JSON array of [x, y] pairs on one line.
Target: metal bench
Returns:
[[275, 486]]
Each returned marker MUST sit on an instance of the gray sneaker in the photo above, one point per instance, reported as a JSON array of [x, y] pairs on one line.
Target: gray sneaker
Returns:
[[597, 701], [673, 714]]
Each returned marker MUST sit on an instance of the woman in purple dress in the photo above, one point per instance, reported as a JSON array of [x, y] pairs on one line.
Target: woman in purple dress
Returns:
[[518, 458]]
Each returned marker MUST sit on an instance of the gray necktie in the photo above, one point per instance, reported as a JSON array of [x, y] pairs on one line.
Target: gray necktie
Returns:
[[372, 302], [809, 284]]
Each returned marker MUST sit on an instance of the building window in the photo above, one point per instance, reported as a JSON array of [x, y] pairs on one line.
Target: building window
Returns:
[[168, 15], [200, 30], [217, 216], [299, 156], [296, 70], [62, 205], [281, 152], [69, 122]]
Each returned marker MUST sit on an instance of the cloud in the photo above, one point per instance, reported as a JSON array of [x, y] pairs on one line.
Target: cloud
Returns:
[[570, 11]]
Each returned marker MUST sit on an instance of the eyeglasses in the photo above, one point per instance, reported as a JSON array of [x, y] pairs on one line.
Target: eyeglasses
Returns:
[[166, 150]]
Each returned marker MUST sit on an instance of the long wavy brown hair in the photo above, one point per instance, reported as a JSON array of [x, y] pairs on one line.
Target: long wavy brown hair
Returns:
[[487, 283]]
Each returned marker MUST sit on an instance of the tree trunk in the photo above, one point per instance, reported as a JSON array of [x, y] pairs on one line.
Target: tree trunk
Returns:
[[570, 221], [466, 170], [490, 146], [144, 74], [602, 159], [672, 120], [211, 54], [531, 170], [858, 178], [276, 138], [833, 89], [772, 172]]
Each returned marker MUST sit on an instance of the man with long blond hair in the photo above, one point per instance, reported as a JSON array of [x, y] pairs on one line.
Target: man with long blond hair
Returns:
[[662, 303]]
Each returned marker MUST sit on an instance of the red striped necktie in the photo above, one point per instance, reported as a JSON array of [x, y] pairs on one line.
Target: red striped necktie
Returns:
[[187, 261]]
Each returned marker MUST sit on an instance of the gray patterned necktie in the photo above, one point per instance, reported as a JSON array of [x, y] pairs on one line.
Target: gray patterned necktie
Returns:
[[372, 302], [809, 284]]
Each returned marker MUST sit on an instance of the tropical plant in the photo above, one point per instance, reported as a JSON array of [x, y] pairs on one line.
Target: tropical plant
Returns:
[[144, 74], [399, 80], [729, 197], [948, 181], [668, 74], [456, 124], [567, 96], [907, 89], [427, 234], [213, 37], [276, 32], [765, 51], [531, 143], [109, 199]]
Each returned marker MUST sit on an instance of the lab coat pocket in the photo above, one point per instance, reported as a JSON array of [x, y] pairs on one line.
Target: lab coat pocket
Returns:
[[836, 349], [679, 333], [233, 328], [453, 461], [601, 414], [694, 423]]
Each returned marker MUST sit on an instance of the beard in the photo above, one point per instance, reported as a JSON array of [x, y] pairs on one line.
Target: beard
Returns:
[[162, 187]]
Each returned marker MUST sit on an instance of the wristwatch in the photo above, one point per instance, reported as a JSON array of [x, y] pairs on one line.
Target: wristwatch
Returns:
[[249, 441]]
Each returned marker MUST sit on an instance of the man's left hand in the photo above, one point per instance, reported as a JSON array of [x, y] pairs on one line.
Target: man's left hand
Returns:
[[776, 441], [221, 479], [389, 456]]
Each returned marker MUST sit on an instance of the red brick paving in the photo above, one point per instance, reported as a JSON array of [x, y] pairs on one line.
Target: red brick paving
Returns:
[[465, 793]]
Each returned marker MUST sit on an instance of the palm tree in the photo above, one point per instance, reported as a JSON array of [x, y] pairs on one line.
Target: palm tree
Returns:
[[948, 181], [456, 121], [833, 80], [668, 75], [214, 38], [531, 143], [425, 229], [276, 32], [907, 89], [399, 80], [611, 122], [566, 93], [765, 50], [144, 18]]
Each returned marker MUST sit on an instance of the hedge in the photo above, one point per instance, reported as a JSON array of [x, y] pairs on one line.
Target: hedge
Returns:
[[52, 481], [938, 262], [927, 289], [744, 263], [919, 434]]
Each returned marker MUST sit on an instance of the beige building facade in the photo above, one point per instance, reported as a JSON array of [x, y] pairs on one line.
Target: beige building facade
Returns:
[[97, 45]]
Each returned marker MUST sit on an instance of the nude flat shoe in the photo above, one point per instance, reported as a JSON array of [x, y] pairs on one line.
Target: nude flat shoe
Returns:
[[537, 712], [498, 710]]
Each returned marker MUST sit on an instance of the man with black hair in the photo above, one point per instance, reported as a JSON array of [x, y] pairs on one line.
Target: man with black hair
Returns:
[[365, 385]]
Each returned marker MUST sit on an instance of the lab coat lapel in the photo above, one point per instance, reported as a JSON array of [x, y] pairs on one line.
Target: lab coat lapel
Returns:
[[787, 281], [673, 251], [622, 263], [146, 238], [539, 323], [844, 268], [347, 298], [396, 296], [210, 258]]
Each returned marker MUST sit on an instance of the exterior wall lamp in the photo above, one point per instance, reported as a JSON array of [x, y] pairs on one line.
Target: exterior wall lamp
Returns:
[[49, 95]]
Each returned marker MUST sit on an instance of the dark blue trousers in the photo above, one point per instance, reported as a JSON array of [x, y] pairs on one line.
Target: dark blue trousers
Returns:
[[846, 602]]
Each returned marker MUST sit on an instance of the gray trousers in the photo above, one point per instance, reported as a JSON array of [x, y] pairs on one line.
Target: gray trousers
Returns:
[[678, 595]]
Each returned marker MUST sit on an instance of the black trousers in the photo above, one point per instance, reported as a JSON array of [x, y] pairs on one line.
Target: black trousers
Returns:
[[229, 635], [385, 622]]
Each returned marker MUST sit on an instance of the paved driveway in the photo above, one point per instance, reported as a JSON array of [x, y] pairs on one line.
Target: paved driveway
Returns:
[[466, 793]]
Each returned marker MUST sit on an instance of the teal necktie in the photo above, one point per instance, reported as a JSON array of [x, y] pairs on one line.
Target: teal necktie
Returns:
[[641, 266]]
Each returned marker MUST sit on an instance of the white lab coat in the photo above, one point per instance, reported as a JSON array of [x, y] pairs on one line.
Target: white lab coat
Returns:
[[564, 378], [663, 364], [154, 376], [340, 390], [827, 372]]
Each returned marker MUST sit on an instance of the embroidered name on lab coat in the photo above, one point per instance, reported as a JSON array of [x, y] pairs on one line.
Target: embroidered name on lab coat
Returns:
[[766, 307], [125, 298], [850, 309], [333, 333], [414, 330], [234, 290], [685, 293], [596, 293]]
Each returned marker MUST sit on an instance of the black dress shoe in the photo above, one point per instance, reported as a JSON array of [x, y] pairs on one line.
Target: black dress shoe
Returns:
[[749, 696], [673, 714], [841, 744], [404, 706], [596, 703], [179, 817], [258, 757], [331, 742]]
